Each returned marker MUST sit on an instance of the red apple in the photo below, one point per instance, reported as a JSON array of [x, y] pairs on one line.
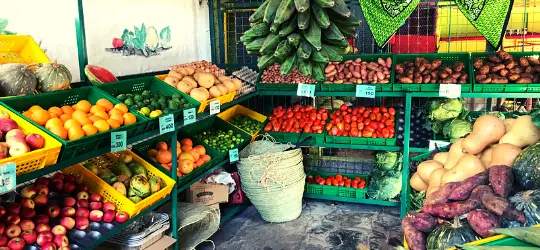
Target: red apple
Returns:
[[27, 213], [69, 202], [2, 211], [96, 215], [82, 195], [40, 228], [53, 211], [16, 135], [4, 114], [29, 236], [82, 187], [35, 141], [27, 203], [96, 205], [82, 203], [67, 222], [81, 223], [70, 178], [42, 181], [59, 230], [3, 155], [122, 217], [18, 148], [41, 219], [70, 187], [41, 200], [11, 218], [109, 206], [68, 212], [3, 240], [58, 175], [49, 246], [27, 225], [42, 189], [28, 192], [16, 244], [13, 231], [61, 241], [44, 238], [5, 248], [14, 208], [2, 228], [109, 215], [96, 197], [57, 185], [7, 125], [82, 212]]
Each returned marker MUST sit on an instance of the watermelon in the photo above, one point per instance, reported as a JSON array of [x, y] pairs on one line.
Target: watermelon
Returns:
[[98, 75], [527, 167]]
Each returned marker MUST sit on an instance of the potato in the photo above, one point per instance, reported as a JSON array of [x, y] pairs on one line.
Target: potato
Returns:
[[206, 80], [191, 81], [190, 71]]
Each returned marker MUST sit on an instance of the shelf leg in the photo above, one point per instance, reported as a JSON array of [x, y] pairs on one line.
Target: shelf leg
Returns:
[[174, 212], [405, 169]]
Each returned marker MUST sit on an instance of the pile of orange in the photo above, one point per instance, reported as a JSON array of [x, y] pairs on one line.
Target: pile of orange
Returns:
[[82, 119]]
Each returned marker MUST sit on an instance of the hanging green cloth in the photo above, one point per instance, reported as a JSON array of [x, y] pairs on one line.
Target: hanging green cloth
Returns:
[[384, 17], [489, 17]]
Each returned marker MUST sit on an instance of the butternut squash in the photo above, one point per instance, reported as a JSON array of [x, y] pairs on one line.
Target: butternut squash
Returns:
[[487, 155], [436, 176], [467, 166], [454, 154], [425, 168], [441, 157], [487, 129], [508, 122], [417, 183], [522, 133], [504, 154]]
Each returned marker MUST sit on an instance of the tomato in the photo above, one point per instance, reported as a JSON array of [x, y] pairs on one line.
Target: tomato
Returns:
[[345, 133], [388, 123], [338, 120], [335, 182], [328, 181], [362, 184], [381, 125], [385, 133], [347, 119], [386, 115], [391, 130], [373, 117], [392, 111], [347, 184], [324, 116], [384, 109], [354, 118], [340, 126], [347, 127], [367, 134], [376, 110], [369, 129], [366, 114], [334, 130], [374, 135], [354, 125], [307, 129], [360, 118], [361, 109], [354, 184], [367, 122], [360, 126], [374, 125], [355, 111], [268, 127], [317, 122], [392, 118], [343, 107], [354, 132], [313, 116], [341, 183], [349, 110], [379, 117]]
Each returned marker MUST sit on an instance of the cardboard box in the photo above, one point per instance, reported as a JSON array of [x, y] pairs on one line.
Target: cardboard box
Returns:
[[208, 194]]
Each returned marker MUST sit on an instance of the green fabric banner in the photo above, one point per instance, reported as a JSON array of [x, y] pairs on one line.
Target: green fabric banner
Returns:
[[384, 17], [489, 17]]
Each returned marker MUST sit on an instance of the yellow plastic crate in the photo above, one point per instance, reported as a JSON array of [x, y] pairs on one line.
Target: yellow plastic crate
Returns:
[[37, 159], [97, 185], [20, 49], [230, 113]]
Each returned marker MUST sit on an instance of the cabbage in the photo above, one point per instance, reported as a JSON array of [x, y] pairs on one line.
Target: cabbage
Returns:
[[384, 188], [387, 160], [445, 110], [456, 129]]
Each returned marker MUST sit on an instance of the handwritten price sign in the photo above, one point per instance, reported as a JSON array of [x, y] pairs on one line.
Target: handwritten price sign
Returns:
[[166, 124], [8, 175], [118, 141], [307, 90], [189, 116], [365, 91], [450, 90]]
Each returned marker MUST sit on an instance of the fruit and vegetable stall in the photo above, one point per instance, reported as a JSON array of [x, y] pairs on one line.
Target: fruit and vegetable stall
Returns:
[[83, 162]]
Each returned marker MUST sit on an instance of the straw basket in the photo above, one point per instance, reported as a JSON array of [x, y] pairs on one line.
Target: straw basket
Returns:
[[274, 180]]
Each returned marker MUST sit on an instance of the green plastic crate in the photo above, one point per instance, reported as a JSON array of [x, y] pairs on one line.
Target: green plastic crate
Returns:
[[504, 88], [71, 149], [144, 146], [215, 123], [345, 192], [352, 87], [278, 86], [153, 84], [285, 137], [448, 59]]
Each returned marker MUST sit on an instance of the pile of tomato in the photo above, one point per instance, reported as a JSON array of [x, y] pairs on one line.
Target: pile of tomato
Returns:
[[377, 122], [296, 119], [338, 180]]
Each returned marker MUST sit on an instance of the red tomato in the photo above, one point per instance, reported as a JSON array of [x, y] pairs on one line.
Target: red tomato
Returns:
[[361, 109], [392, 111], [335, 182], [367, 122], [362, 184], [376, 110], [360, 126], [341, 126], [388, 123], [324, 116], [373, 117], [347, 127], [316, 127], [391, 130], [360, 118], [334, 130], [386, 115], [385, 133], [268, 127], [347, 119], [354, 125], [374, 124], [383, 109], [354, 184], [345, 133], [366, 114], [328, 181], [349, 110], [297, 108], [381, 125], [343, 107], [307, 129], [354, 118], [369, 129], [367, 134], [354, 132], [379, 117]]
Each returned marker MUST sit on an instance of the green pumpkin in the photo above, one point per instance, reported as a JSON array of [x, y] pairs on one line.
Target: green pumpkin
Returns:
[[16, 79], [527, 167], [450, 234], [528, 202], [52, 77]]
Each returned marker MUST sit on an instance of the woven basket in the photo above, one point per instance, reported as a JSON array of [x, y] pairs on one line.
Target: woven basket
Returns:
[[273, 181]]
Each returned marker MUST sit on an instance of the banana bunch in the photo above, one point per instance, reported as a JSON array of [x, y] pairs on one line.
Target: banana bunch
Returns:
[[302, 33]]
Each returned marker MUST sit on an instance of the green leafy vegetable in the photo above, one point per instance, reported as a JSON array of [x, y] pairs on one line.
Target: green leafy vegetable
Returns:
[[384, 188], [165, 37], [417, 199], [127, 38], [386, 161], [456, 129], [445, 110], [137, 43]]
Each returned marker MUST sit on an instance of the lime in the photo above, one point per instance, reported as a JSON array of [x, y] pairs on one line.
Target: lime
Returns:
[[145, 111]]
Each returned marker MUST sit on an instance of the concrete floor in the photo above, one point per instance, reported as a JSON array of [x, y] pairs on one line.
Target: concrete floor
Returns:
[[322, 225]]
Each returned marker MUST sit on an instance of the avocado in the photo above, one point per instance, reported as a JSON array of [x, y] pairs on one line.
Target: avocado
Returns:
[[137, 168], [110, 178], [119, 168], [92, 167]]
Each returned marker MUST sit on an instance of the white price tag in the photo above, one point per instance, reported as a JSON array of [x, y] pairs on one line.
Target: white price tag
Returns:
[[118, 141], [307, 90], [365, 91], [450, 90], [8, 175], [215, 107], [437, 144], [166, 124]]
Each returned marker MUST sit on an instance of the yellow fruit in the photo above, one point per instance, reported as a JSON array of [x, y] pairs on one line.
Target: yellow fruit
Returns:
[[145, 111], [154, 113]]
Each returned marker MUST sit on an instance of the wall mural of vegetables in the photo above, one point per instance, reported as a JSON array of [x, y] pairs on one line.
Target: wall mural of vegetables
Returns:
[[142, 41]]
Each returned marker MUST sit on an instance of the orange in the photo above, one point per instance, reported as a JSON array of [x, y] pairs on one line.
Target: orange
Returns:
[[102, 125], [89, 129], [56, 110], [54, 122], [67, 109], [83, 105], [95, 118], [65, 117], [116, 111], [75, 133], [60, 132], [113, 123], [119, 118], [34, 108], [85, 120], [102, 114], [28, 114], [40, 117], [121, 107], [78, 115], [105, 103], [96, 108], [53, 115], [129, 118], [71, 123]]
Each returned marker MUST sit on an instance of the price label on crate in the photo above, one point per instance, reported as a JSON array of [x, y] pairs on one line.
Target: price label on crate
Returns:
[[450, 90], [190, 116], [8, 175], [437, 144], [365, 91], [118, 141], [233, 155], [166, 123], [215, 107], [307, 90]]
